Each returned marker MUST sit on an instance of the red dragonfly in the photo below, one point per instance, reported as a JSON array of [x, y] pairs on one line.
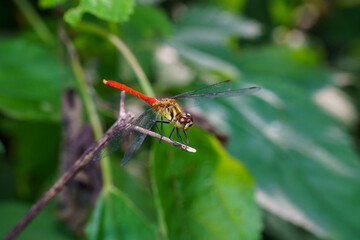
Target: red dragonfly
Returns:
[[166, 108]]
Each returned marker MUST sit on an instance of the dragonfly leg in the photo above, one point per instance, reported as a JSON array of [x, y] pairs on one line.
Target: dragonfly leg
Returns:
[[161, 131], [171, 132], [157, 127], [162, 121], [187, 140], [178, 135]]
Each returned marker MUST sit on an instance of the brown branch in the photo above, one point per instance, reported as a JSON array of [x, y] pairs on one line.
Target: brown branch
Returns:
[[122, 123]]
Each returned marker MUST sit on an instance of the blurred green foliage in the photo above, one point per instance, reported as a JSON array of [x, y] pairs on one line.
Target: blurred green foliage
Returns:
[[41, 228], [30, 80], [290, 167]]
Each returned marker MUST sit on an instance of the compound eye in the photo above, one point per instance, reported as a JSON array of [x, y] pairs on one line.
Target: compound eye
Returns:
[[182, 119]]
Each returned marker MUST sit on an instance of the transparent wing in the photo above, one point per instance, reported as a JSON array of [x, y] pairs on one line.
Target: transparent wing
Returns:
[[111, 145], [133, 138], [221, 89], [128, 138]]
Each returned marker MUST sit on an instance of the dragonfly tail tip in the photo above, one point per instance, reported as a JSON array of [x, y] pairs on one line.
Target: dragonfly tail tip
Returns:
[[105, 81]]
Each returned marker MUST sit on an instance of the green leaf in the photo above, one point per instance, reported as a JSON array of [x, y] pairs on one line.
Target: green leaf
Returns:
[[112, 10], [30, 80], [203, 195], [302, 159], [43, 226], [73, 15], [201, 38], [50, 3], [115, 217], [298, 67], [215, 24], [135, 188]]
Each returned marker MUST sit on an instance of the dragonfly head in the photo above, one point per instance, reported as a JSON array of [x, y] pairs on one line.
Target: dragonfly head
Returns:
[[185, 121]]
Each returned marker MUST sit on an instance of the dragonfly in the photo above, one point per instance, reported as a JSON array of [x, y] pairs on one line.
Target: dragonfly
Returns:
[[165, 108]]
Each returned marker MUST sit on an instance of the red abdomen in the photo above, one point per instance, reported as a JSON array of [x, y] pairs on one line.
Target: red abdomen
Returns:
[[151, 101]]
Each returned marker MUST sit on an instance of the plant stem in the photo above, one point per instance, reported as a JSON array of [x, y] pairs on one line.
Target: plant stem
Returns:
[[35, 21], [121, 46], [89, 104], [93, 117]]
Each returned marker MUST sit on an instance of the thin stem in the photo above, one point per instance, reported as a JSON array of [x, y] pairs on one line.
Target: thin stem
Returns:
[[88, 102], [35, 21], [121, 46]]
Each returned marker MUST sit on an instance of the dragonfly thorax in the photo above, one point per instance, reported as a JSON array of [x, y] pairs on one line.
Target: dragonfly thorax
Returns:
[[169, 109]]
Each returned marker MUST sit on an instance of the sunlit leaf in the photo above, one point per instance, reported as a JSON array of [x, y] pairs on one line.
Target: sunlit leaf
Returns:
[[115, 217], [73, 15], [204, 195], [112, 10]]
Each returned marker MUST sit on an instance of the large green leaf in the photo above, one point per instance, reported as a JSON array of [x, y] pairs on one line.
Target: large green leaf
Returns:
[[112, 10], [115, 217], [303, 160], [203, 195], [30, 80], [134, 186]]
